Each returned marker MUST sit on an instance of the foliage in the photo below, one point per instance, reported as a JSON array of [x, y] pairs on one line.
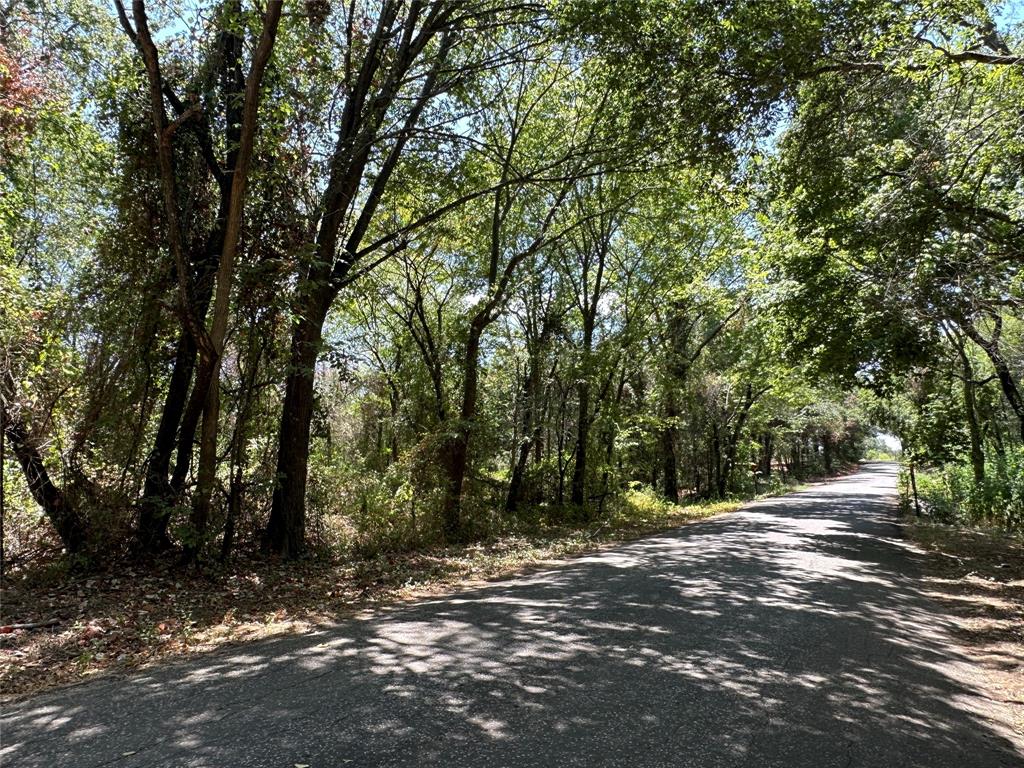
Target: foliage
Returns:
[[499, 267], [949, 494]]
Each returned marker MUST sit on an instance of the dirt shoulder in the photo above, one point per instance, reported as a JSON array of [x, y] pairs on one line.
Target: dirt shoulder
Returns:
[[979, 577], [133, 616]]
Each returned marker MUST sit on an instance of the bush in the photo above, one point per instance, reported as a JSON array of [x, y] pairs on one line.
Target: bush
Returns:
[[949, 494], [640, 503]]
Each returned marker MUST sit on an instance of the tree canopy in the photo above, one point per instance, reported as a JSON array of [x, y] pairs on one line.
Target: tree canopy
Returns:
[[307, 277]]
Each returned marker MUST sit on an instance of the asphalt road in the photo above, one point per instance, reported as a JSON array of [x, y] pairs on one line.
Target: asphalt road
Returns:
[[793, 633]]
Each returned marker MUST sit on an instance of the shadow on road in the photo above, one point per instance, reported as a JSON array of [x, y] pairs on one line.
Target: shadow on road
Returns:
[[793, 633]]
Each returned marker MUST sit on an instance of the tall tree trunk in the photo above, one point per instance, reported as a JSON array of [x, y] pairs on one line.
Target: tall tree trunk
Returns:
[[542, 445], [669, 464], [187, 433], [213, 356], [971, 412], [159, 491], [152, 524], [578, 486], [286, 529], [716, 480], [733, 437], [456, 457], [154, 506], [531, 432], [974, 431], [515, 485], [498, 282], [239, 440], [563, 396], [767, 450], [913, 488], [609, 445], [696, 477], [234, 511], [375, 87]]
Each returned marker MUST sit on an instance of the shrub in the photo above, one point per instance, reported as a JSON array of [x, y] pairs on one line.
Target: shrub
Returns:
[[949, 494]]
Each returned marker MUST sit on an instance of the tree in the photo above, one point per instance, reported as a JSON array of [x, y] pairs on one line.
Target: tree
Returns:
[[404, 69]]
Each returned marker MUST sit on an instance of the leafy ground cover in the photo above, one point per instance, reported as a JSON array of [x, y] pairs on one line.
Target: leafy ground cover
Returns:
[[979, 576], [58, 631]]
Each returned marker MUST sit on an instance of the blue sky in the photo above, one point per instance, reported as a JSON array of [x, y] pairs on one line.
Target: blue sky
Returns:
[[1010, 14]]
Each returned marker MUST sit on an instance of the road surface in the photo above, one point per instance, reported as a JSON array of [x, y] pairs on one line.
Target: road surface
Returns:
[[793, 633]]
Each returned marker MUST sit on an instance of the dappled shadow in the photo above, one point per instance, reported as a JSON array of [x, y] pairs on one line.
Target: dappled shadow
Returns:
[[794, 633], [978, 578]]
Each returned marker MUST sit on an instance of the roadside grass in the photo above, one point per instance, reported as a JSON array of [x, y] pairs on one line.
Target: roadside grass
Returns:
[[978, 575], [130, 616]]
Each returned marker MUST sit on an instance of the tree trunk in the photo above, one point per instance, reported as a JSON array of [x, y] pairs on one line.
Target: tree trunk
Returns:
[[457, 449], [286, 529], [767, 450], [717, 479], [455, 461], [61, 513], [733, 438], [157, 498], [531, 432], [374, 90], [578, 488], [913, 488], [235, 493], [560, 447], [670, 468], [160, 493], [187, 433], [515, 485], [206, 476], [973, 428], [1002, 368], [239, 440]]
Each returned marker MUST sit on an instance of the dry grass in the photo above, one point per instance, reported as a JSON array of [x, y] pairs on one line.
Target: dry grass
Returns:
[[979, 576], [129, 617]]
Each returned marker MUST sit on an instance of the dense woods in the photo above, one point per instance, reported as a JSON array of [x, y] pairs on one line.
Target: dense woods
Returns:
[[307, 278]]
